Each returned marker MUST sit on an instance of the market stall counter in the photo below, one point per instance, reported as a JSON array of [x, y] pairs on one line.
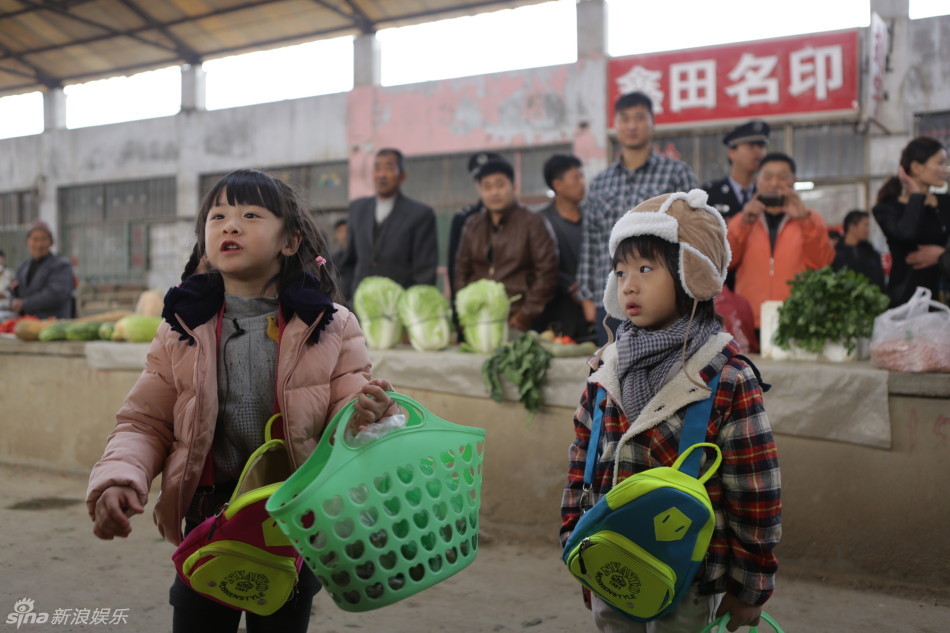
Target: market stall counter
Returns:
[[862, 450]]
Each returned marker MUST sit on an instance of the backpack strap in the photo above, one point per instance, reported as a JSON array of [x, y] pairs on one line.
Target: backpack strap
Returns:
[[694, 428], [593, 450], [595, 430], [693, 432]]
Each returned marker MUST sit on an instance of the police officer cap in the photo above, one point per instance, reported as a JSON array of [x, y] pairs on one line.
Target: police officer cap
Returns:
[[476, 161], [751, 132], [493, 164]]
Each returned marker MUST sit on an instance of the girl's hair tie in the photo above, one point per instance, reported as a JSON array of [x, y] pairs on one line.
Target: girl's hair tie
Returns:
[[321, 261]]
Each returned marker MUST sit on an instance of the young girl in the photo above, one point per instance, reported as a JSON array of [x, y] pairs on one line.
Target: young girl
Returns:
[[257, 333], [670, 257]]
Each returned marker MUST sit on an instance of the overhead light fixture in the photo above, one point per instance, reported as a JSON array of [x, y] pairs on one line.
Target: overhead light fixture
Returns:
[[804, 185]]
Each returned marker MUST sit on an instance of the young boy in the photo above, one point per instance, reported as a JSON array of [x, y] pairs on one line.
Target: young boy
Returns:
[[670, 256]]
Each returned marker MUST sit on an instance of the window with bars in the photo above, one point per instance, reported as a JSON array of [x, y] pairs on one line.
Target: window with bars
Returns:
[[17, 210], [105, 227]]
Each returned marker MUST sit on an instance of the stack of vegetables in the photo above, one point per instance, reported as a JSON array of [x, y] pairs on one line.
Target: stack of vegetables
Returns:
[[115, 325]]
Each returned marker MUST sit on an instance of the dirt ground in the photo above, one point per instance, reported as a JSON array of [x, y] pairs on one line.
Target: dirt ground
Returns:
[[50, 556]]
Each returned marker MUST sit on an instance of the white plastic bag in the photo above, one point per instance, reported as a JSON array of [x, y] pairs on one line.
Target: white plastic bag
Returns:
[[375, 431], [912, 338]]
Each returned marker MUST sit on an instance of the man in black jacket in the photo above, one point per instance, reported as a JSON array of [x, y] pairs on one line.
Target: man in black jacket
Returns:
[[389, 234]]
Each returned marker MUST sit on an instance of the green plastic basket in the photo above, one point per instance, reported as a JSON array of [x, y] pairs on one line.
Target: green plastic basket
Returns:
[[384, 521], [719, 625]]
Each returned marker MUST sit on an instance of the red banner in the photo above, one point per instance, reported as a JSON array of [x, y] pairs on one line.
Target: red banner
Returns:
[[804, 74]]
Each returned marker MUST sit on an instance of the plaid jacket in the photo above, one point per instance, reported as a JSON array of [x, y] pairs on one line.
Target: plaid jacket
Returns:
[[745, 491], [612, 193]]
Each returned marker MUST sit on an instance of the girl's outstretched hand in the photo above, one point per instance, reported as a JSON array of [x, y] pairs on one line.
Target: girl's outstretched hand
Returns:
[[113, 510], [371, 404]]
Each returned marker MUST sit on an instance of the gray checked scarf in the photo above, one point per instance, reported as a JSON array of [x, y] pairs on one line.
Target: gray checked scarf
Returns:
[[647, 359]]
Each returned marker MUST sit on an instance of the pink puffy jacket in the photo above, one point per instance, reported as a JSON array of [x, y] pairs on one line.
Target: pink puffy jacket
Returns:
[[167, 422]]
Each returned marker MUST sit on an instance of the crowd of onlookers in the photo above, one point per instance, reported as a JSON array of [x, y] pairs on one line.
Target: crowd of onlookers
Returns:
[[552, 261]]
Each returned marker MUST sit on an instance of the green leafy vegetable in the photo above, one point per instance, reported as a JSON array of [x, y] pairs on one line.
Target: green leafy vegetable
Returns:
[[376, 303], [828, 306], [426, 315], [482, 308], [524, 362]]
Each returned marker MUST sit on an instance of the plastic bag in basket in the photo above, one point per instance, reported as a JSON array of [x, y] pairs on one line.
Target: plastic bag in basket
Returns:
[[383, 521], [911, 337]]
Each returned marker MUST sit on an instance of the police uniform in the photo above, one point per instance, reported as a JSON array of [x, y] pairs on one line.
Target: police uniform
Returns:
[[722, 196]]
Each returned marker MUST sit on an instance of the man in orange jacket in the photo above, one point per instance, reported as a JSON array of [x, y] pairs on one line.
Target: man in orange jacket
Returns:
[[775, 237]]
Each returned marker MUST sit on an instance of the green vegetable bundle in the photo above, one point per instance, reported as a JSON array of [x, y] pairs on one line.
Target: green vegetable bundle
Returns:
[[482, 308], [826, 305], [426, 315], [376, 303], [524, 363]]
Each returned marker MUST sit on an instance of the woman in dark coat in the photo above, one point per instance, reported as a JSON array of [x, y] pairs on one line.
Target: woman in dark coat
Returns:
[[915, 221]]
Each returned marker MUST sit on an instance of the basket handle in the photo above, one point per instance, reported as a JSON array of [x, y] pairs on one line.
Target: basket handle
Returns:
[[719, 625], [417, 415]]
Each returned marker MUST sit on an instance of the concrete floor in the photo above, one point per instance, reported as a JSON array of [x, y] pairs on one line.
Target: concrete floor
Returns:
[[51, 557]]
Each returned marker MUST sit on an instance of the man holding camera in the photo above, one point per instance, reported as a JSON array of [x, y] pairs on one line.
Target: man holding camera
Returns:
[[775, 236]]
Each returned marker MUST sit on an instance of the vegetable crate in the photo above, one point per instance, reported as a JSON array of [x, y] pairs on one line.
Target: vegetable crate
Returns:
[[383, 521]]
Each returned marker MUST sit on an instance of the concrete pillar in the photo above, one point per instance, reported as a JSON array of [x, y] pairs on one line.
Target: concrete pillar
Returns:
[[366, 60], [193, 88], [587, 88], [895, 119], [890, 9], [54, 109], [591, 28]]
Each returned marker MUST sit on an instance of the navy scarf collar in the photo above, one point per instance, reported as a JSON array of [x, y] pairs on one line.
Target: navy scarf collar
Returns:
[[199, 298]]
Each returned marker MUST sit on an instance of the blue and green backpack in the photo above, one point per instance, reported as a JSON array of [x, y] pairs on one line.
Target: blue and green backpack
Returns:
[[639, 547]]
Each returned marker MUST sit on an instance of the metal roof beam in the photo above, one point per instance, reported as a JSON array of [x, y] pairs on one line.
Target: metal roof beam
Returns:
[[184, 51], [502, 4], [365, 24], [108, 29], [38, 73], [130, 32]]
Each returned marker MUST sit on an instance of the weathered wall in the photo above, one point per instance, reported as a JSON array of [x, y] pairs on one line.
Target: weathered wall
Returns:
[[847, 508]]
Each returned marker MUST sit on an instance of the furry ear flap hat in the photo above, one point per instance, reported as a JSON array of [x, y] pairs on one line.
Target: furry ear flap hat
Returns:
[[684, 219]]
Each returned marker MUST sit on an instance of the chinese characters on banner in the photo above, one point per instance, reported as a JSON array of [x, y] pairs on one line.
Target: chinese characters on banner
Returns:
[[805, 74]]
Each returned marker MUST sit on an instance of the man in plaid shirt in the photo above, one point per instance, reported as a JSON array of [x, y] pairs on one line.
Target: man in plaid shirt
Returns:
[[637, 175]]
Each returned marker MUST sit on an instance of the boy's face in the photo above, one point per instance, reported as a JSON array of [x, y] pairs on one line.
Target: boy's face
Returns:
[[497, 192], [646, 292]]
